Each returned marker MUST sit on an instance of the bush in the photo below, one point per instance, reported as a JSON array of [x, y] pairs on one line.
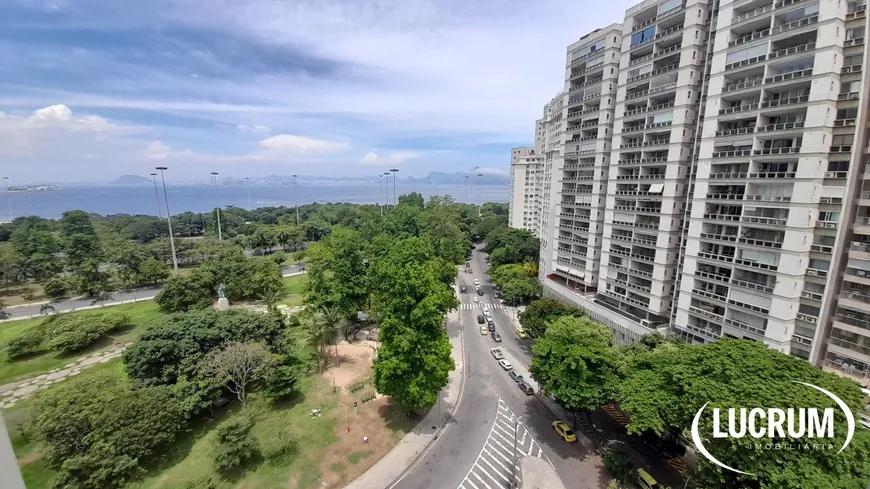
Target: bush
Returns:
[[55, 288], [186, 293], [282, 381], [72, 332], [619, 465], [279, 450], [234, 446], [202, 483], [26, 344]]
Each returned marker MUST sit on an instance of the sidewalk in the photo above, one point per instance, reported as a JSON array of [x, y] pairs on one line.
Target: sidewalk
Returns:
[[414, 445]]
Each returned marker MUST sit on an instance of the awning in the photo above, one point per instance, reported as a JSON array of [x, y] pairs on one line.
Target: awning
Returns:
[[576, 273], [656, 188]]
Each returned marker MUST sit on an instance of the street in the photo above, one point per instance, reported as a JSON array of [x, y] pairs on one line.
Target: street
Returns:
[[475, 451], [25, 311]]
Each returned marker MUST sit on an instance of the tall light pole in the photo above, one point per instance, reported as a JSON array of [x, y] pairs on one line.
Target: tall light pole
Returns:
[[296, 198], [395, 196], [156, 195], [168, 216], [8, 196], [214, 176], [466, 189], [381, 193], [248, 185], [479, 193], [387, 199]]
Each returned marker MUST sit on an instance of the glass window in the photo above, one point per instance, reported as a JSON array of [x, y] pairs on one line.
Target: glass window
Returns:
[[669, 5], [843, 140], [847, 87], [853, 60], [853, 7], [643, 35], [741, 54], [856, 33]]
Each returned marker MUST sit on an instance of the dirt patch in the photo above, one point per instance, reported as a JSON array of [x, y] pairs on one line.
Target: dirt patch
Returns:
[[28, 459], [370, 431]]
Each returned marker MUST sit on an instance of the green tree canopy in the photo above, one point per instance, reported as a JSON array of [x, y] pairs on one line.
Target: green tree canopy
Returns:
[[539, 313]]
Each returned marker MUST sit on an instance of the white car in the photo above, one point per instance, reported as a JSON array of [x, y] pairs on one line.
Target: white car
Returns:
[[487, 313], [497, 353], [505, 364], [476, 299], [476, 281]]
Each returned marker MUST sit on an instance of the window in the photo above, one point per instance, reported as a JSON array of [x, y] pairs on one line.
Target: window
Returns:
[[819, 264], [849, 87], [853, 60], [855, 33], [838, 166], [743, 54], [798, 14], [829, 216], [847, 113], [643, 35], [843, 140], [669, 5], [853, 7]]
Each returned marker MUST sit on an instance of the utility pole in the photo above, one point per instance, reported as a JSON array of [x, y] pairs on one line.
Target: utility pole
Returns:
[[296, 198], [395, 196], [387, 199], [479, 193], [466, 190], [381, 193], [168, 217], [248, 185], [217, 207], [156, 195], [8, 197]]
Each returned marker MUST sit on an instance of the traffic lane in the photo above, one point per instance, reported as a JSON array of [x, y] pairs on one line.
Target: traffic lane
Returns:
[[66, 305]]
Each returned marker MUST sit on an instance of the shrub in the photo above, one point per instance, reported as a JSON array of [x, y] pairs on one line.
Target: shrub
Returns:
[[234, 446], [282, 381], [72, 332], [619, 465], [186, 293], [55, 288], [279, 450], [26, 344], [202, 483]]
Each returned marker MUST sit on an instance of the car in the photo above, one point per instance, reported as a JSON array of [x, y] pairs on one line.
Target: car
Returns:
[[463, 288], [467, 264], [526, 388], [519, 331], [469, 270], [484, 331], [476, 299], [564, 431], [489, 320], [481, 319], [495, 294], [514, 375], [505, 364], [496, 337], [497, 353], [491, 327], [476, 281], [487, 313], [479, 292]]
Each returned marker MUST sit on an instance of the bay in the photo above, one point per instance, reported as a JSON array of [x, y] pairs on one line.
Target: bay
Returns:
[[200, 198]]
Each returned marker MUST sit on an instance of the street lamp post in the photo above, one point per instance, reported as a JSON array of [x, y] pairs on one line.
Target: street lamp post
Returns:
[[395, 196], [381, 193], [156, 195], [168, 217], [296, 198], [214, 176], [248, 185], [466, 189], [479, 193], [387, 199], [8, 196]]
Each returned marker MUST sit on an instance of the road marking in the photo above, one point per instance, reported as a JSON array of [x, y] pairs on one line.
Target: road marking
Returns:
[[493, 466]]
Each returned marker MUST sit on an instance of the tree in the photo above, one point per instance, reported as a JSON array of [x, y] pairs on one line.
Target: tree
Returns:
[[186, 292], [152, 271], [521, 290], [4, 314], [282, 381], [414, 358], [414, 199], [234, 446], [238, 365], [539, 313], [619, 464], [575, 362], [55, 288], [666, 385], [440, 226]]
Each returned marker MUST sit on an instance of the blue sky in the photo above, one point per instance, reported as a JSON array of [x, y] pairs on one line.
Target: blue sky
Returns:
[[91, 89]]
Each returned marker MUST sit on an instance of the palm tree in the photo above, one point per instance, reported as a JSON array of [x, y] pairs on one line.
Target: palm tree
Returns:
[[333, 320], [315, 329], [271, 297]]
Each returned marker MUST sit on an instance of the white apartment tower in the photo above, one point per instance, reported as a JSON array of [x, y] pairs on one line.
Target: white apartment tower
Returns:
[[526, 185], [548, 142], [582, 157], [660, 81], [773, 173]]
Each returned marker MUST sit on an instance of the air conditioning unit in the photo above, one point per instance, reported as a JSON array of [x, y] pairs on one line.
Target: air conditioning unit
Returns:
[[646, 323]]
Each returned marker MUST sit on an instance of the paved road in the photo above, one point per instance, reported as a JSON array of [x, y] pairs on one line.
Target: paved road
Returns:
[[454, 460], [25, 311]]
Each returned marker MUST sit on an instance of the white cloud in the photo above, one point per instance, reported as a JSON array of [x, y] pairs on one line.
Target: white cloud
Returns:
[[302, 145], [259, 129], [394, 158], [61, 116]]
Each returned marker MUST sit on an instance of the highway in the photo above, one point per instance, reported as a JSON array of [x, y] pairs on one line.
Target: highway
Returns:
[[476, 449]]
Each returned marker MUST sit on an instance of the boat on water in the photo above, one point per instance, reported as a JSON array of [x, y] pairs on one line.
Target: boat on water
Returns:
[[32, 188]]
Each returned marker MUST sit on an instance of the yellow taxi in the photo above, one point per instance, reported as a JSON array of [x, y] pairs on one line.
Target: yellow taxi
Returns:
[[564, 431], [484, 330], [646, 481], [521, 333]]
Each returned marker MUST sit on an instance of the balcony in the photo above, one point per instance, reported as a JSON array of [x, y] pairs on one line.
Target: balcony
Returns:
[[746, 62], [751, 14], [777, 151], [779, 53], [741, 85], [749, 37], [745, 326], [640, 60], [751, 285], [785, 101], [735, 131], [792, 75], [668, 50], [738, 108], [812, 19], [731, 153], [770, 221], [783, 126]]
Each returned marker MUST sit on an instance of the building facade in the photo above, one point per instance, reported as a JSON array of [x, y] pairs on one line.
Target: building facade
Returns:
[[715, 185], [526, 187]]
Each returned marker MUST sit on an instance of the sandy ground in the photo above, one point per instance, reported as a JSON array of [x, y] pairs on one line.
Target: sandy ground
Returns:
[[378, 420]]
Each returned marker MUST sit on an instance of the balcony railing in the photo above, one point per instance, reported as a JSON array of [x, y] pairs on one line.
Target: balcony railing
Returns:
[[751, 14], [741, 85], [812, 19], [789, 76], [781, 126], [749, 37], [727, 175], [739, 130], [785, 101], [746, 62], [731, 153], [669, 49], [738, 108], [777, 151], [792, 50]]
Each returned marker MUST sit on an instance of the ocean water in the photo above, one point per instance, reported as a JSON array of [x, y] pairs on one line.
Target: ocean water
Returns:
[[141, 200]]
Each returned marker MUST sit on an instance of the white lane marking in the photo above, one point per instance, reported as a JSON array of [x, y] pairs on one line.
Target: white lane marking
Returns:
[[480, 478], [495, 459], [493, 469], [500, 445], [500, 454]]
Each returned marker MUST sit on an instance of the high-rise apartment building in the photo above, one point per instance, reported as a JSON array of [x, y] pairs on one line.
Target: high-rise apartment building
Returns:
[[733, 196], [548, 142], [526, 186]]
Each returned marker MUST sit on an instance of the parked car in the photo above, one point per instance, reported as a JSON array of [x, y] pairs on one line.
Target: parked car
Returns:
[[497, 353], [496, 337], [505, 364], [495, 294], [467, 264], [564, 431], [462, 288], [489, 320], [487, 313], [476, 281], [491, 326], [481, 319], [514, 375], [476, 299], [519, 331], [483, 330], [479, 292], [526, 388]]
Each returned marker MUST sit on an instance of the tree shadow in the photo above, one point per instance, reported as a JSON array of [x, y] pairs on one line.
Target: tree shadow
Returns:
[[173, 454], [236, 474], [397, 419]]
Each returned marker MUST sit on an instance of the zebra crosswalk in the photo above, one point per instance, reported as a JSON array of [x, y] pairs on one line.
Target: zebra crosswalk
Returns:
[[482, 305], [492, 469]]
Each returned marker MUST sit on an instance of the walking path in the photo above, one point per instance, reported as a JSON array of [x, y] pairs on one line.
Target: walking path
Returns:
[[404, 455], [15, 391]]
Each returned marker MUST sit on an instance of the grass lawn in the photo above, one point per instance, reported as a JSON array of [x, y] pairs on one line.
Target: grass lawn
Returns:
[[292, 260], [140, 313], [293, 286], [12, 295]]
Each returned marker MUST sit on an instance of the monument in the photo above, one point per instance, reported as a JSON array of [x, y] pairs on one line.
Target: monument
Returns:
[[222, 304]]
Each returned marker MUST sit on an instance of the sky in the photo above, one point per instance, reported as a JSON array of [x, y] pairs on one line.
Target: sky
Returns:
[[93, 89]]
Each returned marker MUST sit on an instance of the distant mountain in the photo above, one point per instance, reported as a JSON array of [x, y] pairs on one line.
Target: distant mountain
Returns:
[[131, 180]]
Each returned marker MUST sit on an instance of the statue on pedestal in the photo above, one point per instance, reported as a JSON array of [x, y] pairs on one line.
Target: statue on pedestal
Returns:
[[222, 304]]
